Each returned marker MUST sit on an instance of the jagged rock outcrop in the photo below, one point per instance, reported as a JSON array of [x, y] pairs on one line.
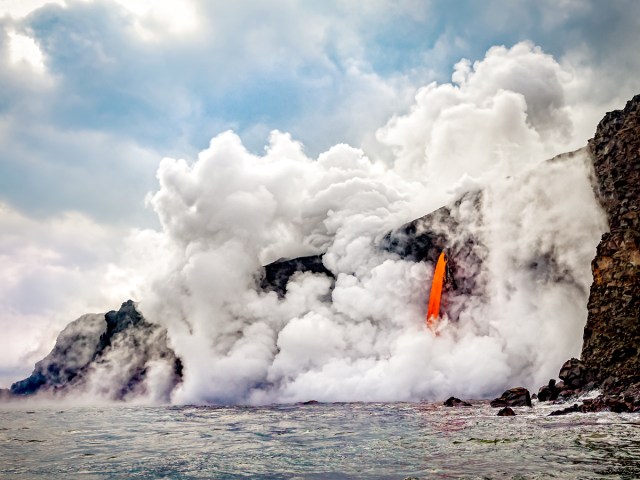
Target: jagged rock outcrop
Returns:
[[573, 382], [117, 355], [455, 402], [548, 392], [514, 397], [611, 341], [573, 374]]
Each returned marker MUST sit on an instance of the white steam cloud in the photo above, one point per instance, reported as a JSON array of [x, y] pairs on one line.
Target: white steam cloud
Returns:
[[535, 225], [230, 212]]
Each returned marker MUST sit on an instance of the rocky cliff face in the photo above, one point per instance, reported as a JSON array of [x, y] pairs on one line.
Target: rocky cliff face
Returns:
[[117, 356], [611, 341], [611, 348]]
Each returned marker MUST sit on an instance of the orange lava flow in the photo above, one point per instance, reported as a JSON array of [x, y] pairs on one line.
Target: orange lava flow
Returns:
[[433, 312]]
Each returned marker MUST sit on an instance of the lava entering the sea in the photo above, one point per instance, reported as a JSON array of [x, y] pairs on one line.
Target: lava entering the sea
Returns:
[[433, 312]]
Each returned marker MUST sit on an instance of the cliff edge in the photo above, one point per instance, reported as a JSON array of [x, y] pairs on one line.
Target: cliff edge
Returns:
[[610, 358], [611, 341]]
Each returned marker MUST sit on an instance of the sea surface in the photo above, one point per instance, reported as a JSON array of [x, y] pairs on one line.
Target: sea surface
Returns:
[[322, 441]]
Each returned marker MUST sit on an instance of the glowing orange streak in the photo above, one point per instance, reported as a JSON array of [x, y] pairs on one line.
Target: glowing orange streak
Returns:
[[436, 292]]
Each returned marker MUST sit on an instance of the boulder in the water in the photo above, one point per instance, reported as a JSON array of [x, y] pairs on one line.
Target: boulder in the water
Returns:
[[455, 402], [549, 392], [514, 397], [572, 409], [573, 374], [506, 412]]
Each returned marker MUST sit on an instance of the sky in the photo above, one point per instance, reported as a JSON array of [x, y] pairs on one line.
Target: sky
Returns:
[[95, 93]]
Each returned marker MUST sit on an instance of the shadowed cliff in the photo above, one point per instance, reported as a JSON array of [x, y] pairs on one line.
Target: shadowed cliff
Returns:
[[611, 348]]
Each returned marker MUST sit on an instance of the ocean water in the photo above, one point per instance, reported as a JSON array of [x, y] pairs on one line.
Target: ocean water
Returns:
[[322, 441]]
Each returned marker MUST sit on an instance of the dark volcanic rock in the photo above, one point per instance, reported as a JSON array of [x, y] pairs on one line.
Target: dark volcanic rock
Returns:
[[573, 383], [447, 228], [611, 340], [573, 374], [506, 412], [608, 403], [455, 402], [564, 411], [110, 355], [568, 393], [548, 392], [277, 274], [514, 397]]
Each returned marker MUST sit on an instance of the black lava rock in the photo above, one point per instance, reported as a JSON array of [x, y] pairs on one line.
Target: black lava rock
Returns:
[[573, 374], [455, 402], [611, 340], [549, 392], [514, 397]]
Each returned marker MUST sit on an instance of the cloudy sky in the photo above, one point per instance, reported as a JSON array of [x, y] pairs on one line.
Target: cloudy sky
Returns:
[[95, 93]]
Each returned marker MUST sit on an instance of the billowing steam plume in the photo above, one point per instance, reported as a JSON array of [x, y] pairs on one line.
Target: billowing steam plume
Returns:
[[363, 336], [523, 231]]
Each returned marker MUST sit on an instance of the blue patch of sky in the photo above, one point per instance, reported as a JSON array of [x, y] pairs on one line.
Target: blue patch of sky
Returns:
[[398, 44], [42, 174], [401, 41]]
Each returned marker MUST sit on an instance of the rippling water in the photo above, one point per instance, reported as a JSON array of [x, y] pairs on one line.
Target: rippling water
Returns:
[[324, 441]]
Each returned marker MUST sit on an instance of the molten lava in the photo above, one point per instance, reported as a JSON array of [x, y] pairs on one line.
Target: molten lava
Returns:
[[433, 312]]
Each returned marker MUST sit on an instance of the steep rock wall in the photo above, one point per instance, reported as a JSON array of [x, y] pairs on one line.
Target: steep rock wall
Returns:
[[611, 348]]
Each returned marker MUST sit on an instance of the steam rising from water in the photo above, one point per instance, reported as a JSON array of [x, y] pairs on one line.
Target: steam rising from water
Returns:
[[230, 212]]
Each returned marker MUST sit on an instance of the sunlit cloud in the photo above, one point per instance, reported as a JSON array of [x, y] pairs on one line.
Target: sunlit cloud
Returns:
[[153, 19], [24, 50], [21, 8]]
